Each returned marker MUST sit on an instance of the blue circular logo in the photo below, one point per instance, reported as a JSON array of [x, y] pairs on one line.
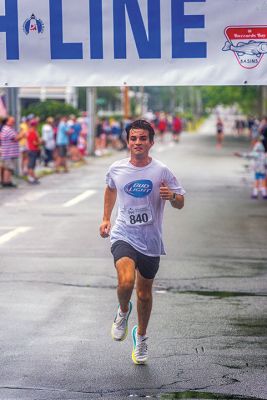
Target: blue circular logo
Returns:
[[141, 188], [33, 24]]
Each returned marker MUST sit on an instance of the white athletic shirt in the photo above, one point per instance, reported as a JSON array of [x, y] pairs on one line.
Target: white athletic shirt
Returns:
[[140, 208]]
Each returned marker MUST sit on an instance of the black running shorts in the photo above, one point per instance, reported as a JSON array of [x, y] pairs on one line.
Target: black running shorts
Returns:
[[147, 266]]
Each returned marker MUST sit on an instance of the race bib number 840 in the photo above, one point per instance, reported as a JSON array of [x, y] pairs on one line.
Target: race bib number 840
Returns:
[[138, 216]]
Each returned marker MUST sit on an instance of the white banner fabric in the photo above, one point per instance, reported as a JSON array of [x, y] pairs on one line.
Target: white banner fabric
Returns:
[[132, 42]]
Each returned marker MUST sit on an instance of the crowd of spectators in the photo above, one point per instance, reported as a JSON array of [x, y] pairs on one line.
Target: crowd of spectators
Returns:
[[111, 132], [54, 143], [257, 154], [49, 143]]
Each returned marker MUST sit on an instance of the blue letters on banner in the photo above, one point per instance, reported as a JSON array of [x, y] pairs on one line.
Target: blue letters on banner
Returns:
[[181, 49], [148, 43], [96, 29], [9, 24], [60, 50], [147, 47]]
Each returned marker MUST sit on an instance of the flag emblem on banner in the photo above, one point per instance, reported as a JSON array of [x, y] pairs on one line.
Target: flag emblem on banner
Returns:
[[33, 25], [247, 43]]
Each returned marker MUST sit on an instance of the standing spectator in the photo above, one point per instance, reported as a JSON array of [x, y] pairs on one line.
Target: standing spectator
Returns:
[[76, 129], [162, 126], [107, 131], [48, 140], [250, 124], [115, 133], [33, 142], [176, 128], [10, 151], [62, 142], [219, 133], [258, 156], [263, 132], [254, 132], [100, 138], [82, 145], [240, 126], [23, 129]]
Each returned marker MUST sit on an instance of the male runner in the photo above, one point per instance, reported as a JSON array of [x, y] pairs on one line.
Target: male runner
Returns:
[[142, 186]]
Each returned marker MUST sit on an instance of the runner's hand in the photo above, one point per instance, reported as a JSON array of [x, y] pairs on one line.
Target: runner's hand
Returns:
[[105, 229], [164, 192]]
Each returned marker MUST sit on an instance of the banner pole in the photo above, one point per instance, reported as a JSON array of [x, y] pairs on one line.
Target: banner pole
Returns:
[[91, 114]]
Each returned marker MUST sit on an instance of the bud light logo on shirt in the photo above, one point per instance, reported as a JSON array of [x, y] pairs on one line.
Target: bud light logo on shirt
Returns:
[[139, 189]]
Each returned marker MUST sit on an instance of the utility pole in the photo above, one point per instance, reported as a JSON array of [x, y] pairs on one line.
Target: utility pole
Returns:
[[13, 104], [126, 102], [142, 100], [172, 100], [91, 114]]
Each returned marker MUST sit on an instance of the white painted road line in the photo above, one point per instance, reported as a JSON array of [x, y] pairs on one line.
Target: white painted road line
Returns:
[[15, 232], [26, 198], [79, 198]]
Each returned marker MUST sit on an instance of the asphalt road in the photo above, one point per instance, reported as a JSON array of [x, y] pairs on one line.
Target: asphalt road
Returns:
[[58, 286]]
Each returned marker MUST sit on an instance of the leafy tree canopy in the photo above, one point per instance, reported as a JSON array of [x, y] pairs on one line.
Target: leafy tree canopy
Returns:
[[50, 108]]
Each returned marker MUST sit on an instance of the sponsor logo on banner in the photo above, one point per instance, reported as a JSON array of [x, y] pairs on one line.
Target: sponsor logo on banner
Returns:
[[141, 188], [33, 25], [247, 43]]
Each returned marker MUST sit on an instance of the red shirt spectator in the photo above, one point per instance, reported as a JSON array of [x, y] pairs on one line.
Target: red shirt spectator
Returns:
[[33, 139], [176, 125], [162, 126]]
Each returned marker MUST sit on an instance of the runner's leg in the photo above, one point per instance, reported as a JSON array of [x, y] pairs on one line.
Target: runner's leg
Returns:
[[144, 302], [126, 277]]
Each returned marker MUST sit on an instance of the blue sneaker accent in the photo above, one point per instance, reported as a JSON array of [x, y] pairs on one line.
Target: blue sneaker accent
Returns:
[[139, 353]]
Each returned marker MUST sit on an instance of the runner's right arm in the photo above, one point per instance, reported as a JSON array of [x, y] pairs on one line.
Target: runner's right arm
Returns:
[[109, 202]]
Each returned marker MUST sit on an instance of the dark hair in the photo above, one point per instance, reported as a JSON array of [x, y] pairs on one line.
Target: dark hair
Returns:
[[141, 124], [4, 121]]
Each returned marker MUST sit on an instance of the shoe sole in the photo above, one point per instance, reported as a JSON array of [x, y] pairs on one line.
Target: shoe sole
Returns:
[[123, 338], [136, 362], [126, 331]]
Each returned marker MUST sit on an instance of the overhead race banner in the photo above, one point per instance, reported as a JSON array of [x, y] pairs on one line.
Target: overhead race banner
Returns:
[[132, 42]]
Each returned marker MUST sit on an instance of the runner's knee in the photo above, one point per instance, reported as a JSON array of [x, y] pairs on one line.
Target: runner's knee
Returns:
[[144, 295], [126, 273], [126, 283]]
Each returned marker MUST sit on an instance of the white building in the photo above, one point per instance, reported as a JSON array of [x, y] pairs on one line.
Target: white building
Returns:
[[67, 94]]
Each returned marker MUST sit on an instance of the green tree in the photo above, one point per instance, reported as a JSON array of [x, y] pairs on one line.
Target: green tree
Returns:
[[50, 108], [247, 97]]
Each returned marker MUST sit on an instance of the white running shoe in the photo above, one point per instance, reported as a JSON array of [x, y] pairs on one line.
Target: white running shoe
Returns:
[[140, 352], [119, 330]]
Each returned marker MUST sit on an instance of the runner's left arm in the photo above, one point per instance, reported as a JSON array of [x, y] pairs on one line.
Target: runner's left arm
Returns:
[[176, 200], [171, 189]]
